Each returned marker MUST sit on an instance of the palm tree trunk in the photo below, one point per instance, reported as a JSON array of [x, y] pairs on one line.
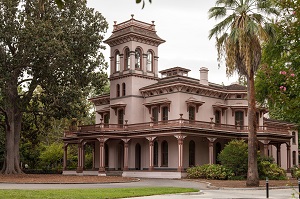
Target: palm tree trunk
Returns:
[[252, 175]]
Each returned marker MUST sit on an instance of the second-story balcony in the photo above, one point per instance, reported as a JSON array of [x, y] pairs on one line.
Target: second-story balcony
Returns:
[[178, 124]]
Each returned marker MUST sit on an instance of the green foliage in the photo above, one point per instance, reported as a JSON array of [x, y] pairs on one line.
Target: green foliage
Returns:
[[207, 171], [234, 156], [278, 81], [270, 170], [52, 155]]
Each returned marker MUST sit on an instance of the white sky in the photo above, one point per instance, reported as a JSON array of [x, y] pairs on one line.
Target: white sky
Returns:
[[183, 24]]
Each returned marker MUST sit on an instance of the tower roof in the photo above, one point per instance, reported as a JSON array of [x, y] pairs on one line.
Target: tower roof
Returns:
[[134, 30]]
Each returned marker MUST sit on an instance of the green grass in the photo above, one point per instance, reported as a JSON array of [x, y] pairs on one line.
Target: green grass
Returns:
[[105, 193]]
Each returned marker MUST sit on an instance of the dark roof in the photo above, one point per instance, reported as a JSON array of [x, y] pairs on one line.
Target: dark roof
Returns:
[[235, 86]]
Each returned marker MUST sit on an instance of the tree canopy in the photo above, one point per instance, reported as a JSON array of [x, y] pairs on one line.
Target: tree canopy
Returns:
[[52, 51]]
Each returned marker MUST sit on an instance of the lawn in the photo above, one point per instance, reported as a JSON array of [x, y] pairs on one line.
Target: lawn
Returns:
[[105, 193]]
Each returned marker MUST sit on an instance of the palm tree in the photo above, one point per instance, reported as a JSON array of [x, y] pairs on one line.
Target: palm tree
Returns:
[[238, 39]]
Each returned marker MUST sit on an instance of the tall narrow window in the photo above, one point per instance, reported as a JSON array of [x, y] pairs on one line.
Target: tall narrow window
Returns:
[[118, 90], [155, 114], [164, 153], [165, 112], [239, 118], [293, 138], [294, 159], [191, 113], [121, 116], [149, 61], [192, 153], [218, 117], [127, 59], [117, 61], [106, 118], [155, 154], [138, 58], [123, 89]]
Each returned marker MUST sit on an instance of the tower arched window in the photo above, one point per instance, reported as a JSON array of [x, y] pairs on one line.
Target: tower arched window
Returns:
[[164, 153], [138, 58], [118, 90], [149, 61], [117, 61], [127, 59], [123, 89], [165, 113]]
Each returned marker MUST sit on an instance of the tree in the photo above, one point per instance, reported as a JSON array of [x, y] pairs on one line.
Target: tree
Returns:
[[238, 40], [278, 81], [56, 49]]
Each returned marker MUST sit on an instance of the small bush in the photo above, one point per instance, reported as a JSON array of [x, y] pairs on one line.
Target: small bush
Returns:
[[214, 171], [271, 170]]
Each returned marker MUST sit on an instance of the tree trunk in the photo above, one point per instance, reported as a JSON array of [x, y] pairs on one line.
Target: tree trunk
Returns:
[[252, 175]]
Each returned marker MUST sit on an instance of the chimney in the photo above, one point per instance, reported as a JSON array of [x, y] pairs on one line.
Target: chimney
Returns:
[[204, 76]]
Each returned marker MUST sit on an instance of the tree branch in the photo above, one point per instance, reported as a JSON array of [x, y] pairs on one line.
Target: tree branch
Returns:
[[6, 118], [24, 80]]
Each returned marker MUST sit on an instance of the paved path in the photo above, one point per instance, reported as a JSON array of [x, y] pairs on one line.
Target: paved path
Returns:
[[204, 194]]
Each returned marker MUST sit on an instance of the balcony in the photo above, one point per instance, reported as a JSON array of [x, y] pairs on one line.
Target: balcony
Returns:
[[175, 124]]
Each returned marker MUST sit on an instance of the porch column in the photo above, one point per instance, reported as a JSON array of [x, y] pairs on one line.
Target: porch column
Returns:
[[151, 152], [211, 150], [180, 139], [278, 154], [65, 156], [101, 171], [288, 156], [126, 154], [80, 158]]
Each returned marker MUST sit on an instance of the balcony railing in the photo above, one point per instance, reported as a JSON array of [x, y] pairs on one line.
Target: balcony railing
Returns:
[[177, 123]]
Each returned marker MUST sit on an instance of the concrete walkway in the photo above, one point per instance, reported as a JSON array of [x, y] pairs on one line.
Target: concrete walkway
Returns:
[[204, 193]]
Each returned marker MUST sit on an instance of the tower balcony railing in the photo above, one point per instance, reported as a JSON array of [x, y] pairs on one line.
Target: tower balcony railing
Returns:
[[193, 124]]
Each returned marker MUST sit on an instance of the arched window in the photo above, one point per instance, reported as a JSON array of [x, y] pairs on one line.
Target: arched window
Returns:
[[239, 119], [138, 58], [191, 113], [118, 90], [117, 61], [127, 59], [123, 89], [149, 61], [165, 113], [155, 114], [121, 116], [155, 154], [218, 117], [192, 153], [164, 153]]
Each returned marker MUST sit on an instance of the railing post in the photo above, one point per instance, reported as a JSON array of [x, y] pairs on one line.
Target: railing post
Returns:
[[126, 125], [180, 118], [151, 121]]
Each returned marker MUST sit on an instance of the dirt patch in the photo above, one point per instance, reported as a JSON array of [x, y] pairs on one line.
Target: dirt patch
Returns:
[[53, 178]]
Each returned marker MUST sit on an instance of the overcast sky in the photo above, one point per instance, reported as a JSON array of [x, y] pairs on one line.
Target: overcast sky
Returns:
[[183, 24]]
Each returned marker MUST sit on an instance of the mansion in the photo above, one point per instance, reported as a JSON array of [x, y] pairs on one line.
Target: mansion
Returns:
[[157, 124]]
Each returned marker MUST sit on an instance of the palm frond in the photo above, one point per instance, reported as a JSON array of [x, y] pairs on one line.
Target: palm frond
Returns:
[[216, 12], [222, 26]]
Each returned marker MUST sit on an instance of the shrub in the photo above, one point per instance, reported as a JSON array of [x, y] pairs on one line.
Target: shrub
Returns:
[[270, 170], [234, 156], [213, 171]]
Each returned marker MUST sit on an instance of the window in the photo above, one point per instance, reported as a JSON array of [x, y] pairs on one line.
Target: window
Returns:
[[155, 158], [257, 119], [164, 153], [149, 61], [293, 138], [192, 153], [191, 113], [121, 116], [294, 158], [165, 112], [118, 90], [218, 117], [123, 89], [127, 59], [106, 118], [117, 61], [155, 114], [239, 118], [138, 58]]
